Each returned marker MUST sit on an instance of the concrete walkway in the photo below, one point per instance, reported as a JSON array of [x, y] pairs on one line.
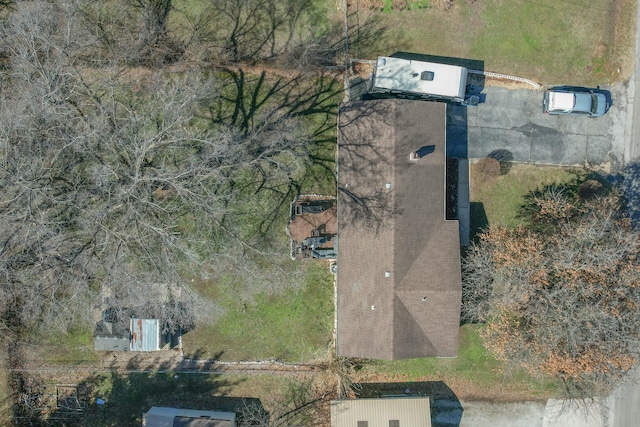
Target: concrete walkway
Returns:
[[632, 128], [491, 414], [625, 406], [553, 413]]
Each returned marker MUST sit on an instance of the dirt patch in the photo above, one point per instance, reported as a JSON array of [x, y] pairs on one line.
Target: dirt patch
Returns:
[[623, 25]]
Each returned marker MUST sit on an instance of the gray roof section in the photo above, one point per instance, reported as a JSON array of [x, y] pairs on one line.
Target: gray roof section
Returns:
[[111, 343], [399, 278]]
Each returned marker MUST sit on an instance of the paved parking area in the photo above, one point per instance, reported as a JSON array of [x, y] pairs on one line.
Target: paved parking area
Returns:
[[511, 122]]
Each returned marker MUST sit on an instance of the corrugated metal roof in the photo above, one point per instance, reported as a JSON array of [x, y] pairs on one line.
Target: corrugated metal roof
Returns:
[[409, 411], [145, 334]]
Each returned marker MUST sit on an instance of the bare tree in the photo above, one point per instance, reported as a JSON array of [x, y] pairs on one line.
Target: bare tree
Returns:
[[156, 44], [111, 181], [156, 14]]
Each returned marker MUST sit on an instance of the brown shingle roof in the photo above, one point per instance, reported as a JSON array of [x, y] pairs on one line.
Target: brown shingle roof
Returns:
[[399, 280]]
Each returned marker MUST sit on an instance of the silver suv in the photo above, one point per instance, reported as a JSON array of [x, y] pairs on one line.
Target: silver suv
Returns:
[[587, 102]]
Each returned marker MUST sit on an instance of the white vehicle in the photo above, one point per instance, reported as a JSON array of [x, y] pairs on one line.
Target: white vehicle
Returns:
[[419, 79], [581, 101]]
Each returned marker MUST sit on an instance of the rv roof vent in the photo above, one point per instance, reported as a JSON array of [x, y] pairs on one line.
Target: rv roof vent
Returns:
[[427, 75]]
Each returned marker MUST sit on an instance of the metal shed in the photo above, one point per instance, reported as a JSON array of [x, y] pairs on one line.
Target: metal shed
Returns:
[[145, 334], [386, 412]]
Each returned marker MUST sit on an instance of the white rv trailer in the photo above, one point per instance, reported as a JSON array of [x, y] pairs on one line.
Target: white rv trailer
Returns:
[[421, 79]]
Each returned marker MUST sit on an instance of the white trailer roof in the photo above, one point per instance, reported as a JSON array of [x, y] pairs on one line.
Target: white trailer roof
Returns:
[[420, 77]]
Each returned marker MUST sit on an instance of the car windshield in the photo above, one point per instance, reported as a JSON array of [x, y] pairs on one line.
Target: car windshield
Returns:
[[594, 103]]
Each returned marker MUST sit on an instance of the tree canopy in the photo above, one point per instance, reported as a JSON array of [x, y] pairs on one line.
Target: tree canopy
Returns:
[[560, 295], [123, 178]]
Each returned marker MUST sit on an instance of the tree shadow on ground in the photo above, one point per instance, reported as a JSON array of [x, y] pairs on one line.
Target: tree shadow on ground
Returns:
[[567, 197], [114, 398], [505, 157], [123, 389], [284, 119]]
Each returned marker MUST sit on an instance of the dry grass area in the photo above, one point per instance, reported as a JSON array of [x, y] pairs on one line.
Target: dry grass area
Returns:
[[5, 393], [546, 41]]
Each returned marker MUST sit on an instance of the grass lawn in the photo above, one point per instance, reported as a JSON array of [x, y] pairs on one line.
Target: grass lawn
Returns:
[[285, 310], [545, 40], [78, 347], [473, 374], [496, 201], [292, 326]]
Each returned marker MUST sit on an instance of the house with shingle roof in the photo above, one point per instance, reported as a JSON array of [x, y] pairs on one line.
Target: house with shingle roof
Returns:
[[398, 276]]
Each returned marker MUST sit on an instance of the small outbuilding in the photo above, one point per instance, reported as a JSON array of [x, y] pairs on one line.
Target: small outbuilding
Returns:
[[385, 412], [159, 416], [145, 334], [141, 335]]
